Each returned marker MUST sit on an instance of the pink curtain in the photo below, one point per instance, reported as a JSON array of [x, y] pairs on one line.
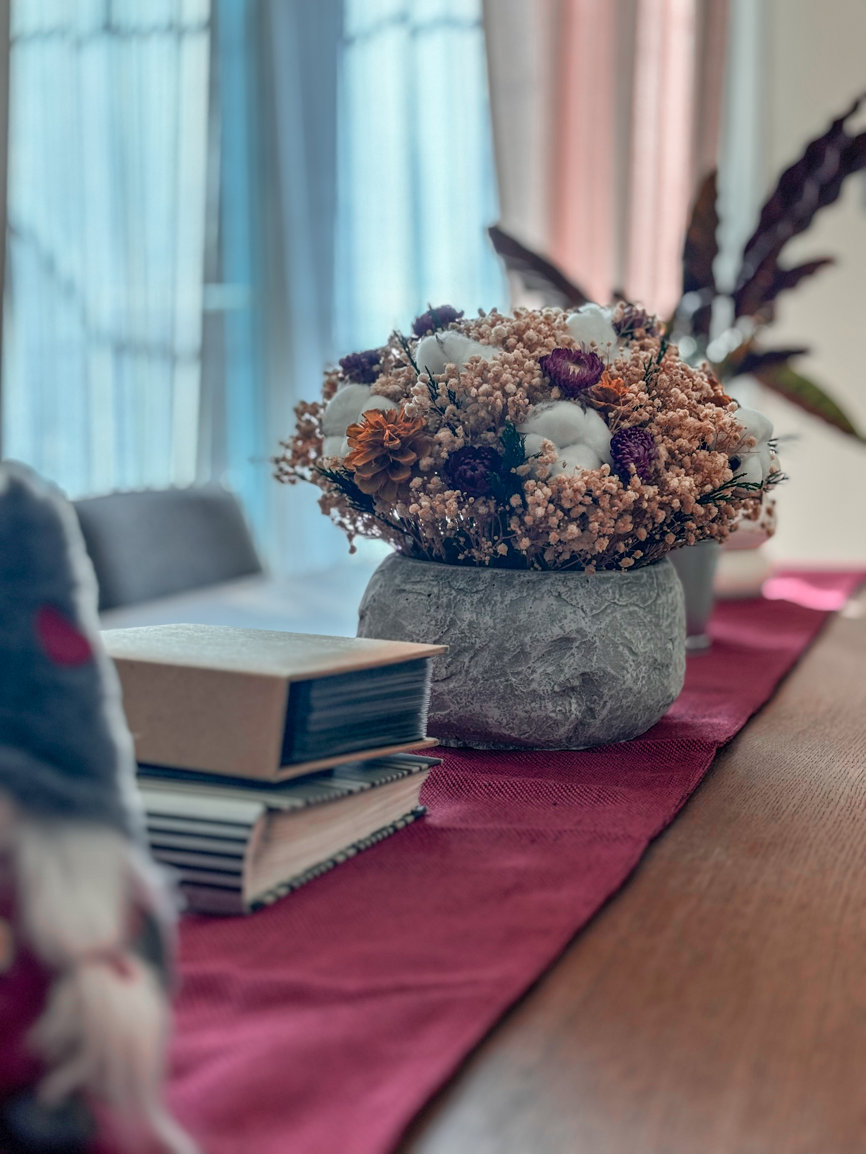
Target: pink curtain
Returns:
[[584, 163], [616, 117]]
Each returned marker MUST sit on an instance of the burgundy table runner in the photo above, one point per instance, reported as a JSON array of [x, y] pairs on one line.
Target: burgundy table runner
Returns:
[[323, 1024]]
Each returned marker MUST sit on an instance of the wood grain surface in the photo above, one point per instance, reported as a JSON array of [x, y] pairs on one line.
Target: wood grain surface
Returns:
[[717, 1005]]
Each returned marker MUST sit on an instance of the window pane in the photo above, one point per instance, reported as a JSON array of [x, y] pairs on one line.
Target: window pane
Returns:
[[108, 135], [416, 178]]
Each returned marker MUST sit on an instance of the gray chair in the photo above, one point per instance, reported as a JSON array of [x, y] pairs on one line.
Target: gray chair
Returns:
[[157, 542]]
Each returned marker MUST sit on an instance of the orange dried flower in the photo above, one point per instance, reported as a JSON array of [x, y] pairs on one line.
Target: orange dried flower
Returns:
[[384, 447], [609, 393], [721, 399]]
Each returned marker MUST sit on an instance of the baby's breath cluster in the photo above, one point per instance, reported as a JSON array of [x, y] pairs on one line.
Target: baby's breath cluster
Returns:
[[546, 440]]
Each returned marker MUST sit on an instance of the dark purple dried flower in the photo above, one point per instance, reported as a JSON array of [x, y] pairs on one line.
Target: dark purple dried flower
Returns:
[[629, 319], [434, 319], [362, 368], [573, 370], [633, 447], [469, 469]]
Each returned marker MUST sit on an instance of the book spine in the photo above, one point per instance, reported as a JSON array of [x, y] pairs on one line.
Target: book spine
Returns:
[[324, 867], [290, 795]]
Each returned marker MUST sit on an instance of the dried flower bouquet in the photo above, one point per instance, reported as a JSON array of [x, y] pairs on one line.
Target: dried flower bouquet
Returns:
[[548, 440]]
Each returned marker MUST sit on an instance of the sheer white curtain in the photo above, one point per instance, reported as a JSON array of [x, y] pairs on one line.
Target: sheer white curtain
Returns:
[[102, 311]]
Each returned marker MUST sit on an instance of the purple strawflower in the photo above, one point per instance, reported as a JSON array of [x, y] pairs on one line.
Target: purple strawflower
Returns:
[[434, 319], [469, 469], [631, 318], [572, 370], [362, 368], [633, 447]]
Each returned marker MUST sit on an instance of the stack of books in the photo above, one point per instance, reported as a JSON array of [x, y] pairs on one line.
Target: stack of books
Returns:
[[265, 758]]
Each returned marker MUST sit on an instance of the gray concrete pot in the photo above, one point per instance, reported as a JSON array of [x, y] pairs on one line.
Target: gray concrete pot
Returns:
[[559, 660]]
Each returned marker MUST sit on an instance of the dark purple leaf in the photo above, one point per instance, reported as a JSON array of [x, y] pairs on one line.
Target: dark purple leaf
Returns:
[[700, 247], [805, 394], [756, 360], [757, 297], [788, 278], [535, 271], [813, 182], [699, 253]]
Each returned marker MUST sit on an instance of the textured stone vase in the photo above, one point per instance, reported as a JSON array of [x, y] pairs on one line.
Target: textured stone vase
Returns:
[[536, 660]]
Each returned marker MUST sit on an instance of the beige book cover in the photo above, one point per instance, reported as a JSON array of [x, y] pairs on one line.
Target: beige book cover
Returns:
[[214, 699]]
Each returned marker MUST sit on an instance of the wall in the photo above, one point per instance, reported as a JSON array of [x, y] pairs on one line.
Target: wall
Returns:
[[815, 66]]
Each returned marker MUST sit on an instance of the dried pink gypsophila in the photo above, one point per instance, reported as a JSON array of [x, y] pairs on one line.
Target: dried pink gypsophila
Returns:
[[304, 449], [587, 519], [331, 383]]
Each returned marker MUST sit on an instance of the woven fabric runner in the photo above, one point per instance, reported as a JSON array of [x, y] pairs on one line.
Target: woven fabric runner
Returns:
[[324, 1023]]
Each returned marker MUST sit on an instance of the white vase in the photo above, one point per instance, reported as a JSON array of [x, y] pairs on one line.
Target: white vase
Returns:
[[695, 566]]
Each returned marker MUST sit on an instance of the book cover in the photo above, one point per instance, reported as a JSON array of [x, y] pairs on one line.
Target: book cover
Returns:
[[236, 845], [236, 701]]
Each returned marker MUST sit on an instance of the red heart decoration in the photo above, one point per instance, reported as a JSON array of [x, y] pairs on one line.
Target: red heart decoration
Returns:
[[63, 643]]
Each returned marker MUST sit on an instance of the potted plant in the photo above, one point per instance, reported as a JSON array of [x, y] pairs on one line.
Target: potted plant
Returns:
[[725, 329], [532, 472]]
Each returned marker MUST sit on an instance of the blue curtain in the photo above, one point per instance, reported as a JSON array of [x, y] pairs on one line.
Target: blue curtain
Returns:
[[416, 184], [294, 207], [348, 173], [382, 159], [107, 165]]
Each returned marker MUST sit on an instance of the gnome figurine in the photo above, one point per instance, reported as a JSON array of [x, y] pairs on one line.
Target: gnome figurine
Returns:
[[85, 923]]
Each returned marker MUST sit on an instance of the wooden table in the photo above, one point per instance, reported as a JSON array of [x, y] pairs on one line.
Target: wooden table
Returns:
[[718, 1003]]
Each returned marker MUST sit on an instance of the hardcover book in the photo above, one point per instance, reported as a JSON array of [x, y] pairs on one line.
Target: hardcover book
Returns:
[[267, 705], [237, 845]]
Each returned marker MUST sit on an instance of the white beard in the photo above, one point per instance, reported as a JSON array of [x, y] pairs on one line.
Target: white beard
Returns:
[[105, 1028]]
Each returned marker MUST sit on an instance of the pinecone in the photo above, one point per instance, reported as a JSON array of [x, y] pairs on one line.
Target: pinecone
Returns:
[[384, 447]]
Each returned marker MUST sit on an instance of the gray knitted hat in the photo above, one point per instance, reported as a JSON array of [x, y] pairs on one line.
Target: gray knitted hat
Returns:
[[65, 750]]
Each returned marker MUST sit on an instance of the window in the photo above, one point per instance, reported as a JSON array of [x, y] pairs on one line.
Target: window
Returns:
[[107, 163], [306, 177], [416, 171]]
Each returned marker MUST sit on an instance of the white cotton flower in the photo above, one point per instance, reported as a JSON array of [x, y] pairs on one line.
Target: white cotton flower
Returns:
[[573, 458], [332, 447], [437, 350], [559, 421], [755, 424], [377, 402], [596, 436], [532, 445], [343, 409], [755, 462], [592, 325], [346, 408], [567, 423], [767, 456], [750, 470]]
